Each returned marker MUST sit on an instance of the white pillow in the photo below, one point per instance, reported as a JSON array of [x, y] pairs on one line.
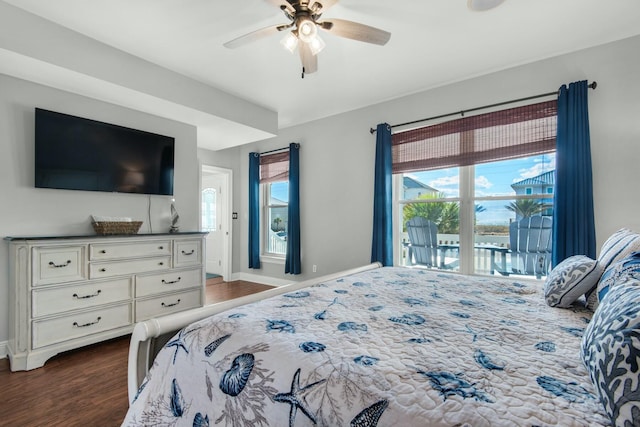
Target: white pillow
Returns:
[[571, 279]]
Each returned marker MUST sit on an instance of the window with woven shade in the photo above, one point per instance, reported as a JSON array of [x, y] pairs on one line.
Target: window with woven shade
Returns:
[[274, 176], [474, 177]]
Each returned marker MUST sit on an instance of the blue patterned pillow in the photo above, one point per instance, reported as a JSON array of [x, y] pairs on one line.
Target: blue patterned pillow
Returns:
[[571, 279], [611, 351], [626, 266], [619, 245]]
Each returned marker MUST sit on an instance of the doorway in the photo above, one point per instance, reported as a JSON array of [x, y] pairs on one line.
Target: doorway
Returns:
[[215, 218]]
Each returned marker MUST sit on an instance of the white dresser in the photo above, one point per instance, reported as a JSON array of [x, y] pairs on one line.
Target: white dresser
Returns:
[[67, 292]]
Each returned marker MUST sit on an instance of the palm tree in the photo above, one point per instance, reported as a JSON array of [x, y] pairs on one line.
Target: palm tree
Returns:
[[444, 214], [525, 208]]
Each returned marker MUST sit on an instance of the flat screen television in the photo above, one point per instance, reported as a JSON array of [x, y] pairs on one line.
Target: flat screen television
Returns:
[[75, 153]]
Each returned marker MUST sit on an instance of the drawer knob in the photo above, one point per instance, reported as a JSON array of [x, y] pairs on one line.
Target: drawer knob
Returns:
[[160, 247], [86, 324], [161, 263], [53, 264], [103, 251], [171, 282], [102, 270], [189, 253], [87, 296], [171, 305]]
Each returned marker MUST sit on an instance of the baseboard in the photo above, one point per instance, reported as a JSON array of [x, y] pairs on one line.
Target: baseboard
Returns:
[[4, 352], [272, 281]]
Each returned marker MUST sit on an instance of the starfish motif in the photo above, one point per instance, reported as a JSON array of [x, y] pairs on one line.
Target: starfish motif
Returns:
[[297, 398], [179, 343]]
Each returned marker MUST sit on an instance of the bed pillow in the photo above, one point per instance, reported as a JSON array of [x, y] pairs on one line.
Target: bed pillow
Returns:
[[610, 349], [571, 279], [619, 245]]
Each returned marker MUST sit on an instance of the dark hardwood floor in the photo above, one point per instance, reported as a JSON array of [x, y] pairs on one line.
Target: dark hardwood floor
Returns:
[[87, 386]]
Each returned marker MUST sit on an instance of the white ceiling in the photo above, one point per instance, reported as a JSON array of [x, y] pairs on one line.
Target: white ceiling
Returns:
[[433, 42]]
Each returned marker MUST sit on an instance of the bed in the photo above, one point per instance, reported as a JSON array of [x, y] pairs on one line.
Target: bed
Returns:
[[372, 346]]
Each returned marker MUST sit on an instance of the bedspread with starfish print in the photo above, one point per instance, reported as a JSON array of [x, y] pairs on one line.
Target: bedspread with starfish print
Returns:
[[387, 347]]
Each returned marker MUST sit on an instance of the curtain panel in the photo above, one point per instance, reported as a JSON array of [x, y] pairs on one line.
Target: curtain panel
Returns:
[[293, 264], [382, 245], [573, 215], [254, 210]]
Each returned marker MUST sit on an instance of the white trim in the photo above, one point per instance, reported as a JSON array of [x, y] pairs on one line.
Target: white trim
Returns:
[[227, 222], [4, 351], [265, 280]]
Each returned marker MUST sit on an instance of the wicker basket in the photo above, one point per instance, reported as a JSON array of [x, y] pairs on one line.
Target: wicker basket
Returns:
[[116, 227]]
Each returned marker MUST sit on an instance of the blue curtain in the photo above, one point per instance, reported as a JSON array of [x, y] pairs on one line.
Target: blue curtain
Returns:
[[293, 264], [573, 218], [254, 210], [382, 247]]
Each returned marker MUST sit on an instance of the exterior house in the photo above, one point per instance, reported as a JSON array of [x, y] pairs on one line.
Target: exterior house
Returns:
[[540, 184], [413, 188]]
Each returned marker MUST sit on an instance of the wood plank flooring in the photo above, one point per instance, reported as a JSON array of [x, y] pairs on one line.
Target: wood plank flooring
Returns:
[[87, 386]]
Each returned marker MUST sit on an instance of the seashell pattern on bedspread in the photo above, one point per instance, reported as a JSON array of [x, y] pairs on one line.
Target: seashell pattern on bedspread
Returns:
[[387, 347]]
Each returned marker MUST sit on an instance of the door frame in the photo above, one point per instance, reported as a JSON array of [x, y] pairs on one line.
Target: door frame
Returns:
[[226, 210]]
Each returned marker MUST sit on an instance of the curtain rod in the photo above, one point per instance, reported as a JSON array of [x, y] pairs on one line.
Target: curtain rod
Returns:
[[276, 150], [593, 85]]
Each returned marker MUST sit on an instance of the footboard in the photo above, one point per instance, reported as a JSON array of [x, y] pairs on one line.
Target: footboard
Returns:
[[150, 336]]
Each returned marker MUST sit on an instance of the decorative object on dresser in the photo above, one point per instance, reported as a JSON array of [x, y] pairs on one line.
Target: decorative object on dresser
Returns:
[[175, 219], [67, 292]]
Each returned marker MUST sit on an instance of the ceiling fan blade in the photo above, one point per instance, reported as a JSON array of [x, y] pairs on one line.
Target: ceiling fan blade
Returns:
[[355, 31], [309, 60], [283, 5], [254, 35]]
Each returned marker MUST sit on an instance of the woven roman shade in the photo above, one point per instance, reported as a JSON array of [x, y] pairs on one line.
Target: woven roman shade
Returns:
[[274, 167], [506, 134]]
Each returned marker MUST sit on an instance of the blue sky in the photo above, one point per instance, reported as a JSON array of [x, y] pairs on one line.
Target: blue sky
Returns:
[[491, 179]]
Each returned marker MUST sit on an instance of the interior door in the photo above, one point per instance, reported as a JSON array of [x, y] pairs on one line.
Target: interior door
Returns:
[[214, 198]]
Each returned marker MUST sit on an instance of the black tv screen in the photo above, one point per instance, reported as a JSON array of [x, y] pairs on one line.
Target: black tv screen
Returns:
[[75, 153]]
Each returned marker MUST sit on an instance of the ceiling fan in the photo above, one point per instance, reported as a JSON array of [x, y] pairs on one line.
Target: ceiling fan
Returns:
[[305, 22]]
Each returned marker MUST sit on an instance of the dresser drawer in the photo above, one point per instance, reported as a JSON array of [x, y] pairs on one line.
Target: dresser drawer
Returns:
[[187, 252], [104, 251], [167, 282], [76, 325], [58, 264], [167, 304], [47, 301], [118, 268]]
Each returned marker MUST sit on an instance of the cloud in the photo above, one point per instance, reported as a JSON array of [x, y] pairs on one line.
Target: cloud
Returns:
[[445, 181], [542, 165], [483, 182]]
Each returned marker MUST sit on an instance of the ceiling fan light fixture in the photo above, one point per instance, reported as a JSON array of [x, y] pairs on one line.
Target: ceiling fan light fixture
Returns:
[[290, 42], [307, 29], [482, 5], [316, 45]]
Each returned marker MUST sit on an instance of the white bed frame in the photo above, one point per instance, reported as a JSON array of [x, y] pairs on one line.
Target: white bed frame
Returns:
[[150, 336]]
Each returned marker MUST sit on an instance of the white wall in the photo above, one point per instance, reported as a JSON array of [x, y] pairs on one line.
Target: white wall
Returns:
[[29, 211], [337, 153]]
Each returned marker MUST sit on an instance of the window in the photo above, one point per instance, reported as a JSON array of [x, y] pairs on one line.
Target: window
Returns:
[[276, 197], [478, 175], [274, 181], [209, 209]]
